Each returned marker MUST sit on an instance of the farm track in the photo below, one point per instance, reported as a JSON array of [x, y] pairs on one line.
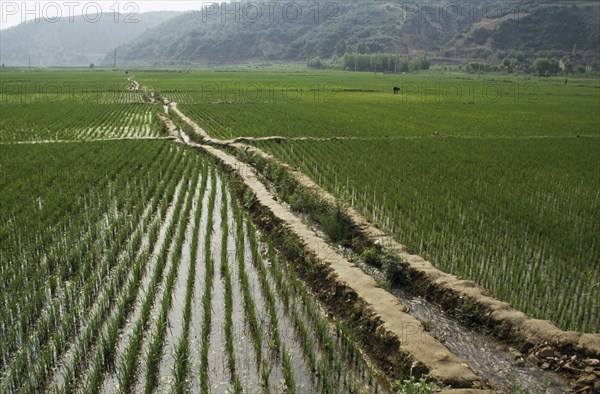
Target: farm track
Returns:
[[508, 322]]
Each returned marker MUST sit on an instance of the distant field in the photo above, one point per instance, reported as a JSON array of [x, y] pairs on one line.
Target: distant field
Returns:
[[494, 179], [67, 105], [334, 104]]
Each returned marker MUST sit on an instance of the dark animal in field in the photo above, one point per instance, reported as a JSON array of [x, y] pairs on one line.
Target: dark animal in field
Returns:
[[396, 89]]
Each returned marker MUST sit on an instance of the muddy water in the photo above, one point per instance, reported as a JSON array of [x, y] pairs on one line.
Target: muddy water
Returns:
[[489, 358], [185, 137]]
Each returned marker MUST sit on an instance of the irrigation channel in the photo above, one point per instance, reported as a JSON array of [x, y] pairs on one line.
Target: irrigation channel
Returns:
[[492, 360], [495, 363]]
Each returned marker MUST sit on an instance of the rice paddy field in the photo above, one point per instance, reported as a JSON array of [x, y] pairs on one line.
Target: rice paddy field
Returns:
[[72, 106], [127, 263], [494, 179]]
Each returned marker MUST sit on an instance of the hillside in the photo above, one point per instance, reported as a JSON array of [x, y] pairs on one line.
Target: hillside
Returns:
[[533, 28], [547, 31], [71, 43]]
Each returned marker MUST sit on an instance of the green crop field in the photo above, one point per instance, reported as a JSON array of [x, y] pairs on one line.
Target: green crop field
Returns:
[[335, 104], [71, 106], [493, 179], [129, 265]]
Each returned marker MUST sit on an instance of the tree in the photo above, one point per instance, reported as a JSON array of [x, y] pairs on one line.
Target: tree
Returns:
[[422, 64], [541, 66], [91, 65], [568, 66], [554, 67]]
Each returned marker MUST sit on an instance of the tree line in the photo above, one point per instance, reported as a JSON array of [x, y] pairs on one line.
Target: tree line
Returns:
[[374, 62]]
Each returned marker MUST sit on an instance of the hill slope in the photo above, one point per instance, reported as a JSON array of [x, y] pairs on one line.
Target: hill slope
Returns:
[[368, 26], [72, 43]]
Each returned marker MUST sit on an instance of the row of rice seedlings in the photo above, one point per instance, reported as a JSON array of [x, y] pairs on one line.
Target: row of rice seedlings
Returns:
[[219, 374], [49, 236], [207, 296], [132, 120], [85, 341], [246, 364], [119, 97], [105, 353], [182, 348], [208, 285], [353, 367], [92, 333], [19, 328], [342, 351], [156, 344], [278, 347], [250, 309], [67, 311], [165, 217], [105, 356], [287, 294], [274, 339], [76, 249], [130, 356], [226, 276], [44, 279], [51, 353], [86, 122], [347, 341]]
